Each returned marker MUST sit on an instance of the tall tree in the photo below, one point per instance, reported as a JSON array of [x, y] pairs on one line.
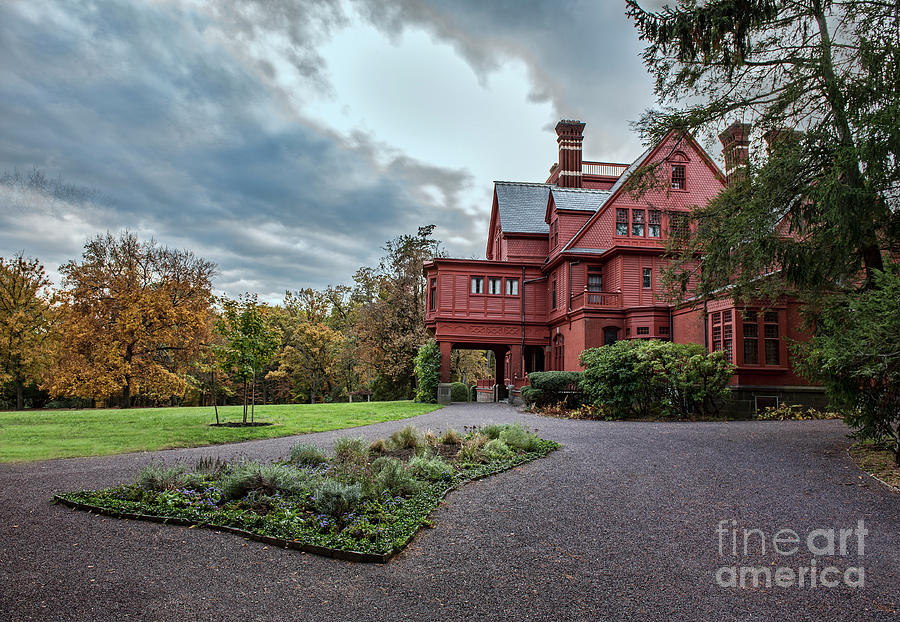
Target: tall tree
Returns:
[[27, 319], [250, 342], [310, 345], [135, 314], [820, 79], [391, 323]]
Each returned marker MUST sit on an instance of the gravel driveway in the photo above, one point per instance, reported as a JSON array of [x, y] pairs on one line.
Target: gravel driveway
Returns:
[[619, 524]]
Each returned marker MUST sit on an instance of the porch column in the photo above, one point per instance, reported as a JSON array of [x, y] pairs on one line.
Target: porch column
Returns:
[[500, 363], [446, 347], [515, 362]]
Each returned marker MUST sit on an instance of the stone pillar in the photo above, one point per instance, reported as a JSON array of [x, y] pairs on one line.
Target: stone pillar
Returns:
[[446, 347]]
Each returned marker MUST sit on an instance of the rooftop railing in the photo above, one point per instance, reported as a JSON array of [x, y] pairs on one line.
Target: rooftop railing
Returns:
[[603, 169]]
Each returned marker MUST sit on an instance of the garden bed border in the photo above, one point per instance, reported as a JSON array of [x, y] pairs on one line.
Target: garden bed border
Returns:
[[346, 555]]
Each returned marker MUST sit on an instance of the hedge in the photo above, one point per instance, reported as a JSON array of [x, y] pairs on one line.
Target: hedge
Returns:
[[650, 378], [552, 387]]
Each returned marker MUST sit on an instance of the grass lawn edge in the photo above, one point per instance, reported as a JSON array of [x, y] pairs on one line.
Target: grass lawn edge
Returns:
[[190, 444], [482, 472], [860, 454]]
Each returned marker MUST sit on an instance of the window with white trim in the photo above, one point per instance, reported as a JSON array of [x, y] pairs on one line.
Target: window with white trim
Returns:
[[477, 286]]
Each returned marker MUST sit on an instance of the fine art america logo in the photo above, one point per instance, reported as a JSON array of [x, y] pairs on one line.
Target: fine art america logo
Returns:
[[818, 558]]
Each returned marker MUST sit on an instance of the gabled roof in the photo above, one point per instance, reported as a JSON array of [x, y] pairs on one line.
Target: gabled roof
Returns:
[[584, 199], [521, 206], [629, 171], [616, 189]]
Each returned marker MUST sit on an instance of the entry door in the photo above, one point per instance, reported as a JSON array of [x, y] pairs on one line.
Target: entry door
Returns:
[[610, 335]]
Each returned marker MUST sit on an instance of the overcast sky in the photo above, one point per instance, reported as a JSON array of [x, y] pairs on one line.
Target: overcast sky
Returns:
[[287, 140]]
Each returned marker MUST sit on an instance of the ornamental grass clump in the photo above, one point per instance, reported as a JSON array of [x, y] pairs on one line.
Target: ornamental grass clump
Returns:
[[406, 438], [335, 498], [517, 437], [393, 477], [351, 451], [267, 479], [159, 478], [497, 450], [304, 454], [472, 450], [492, 430], [430, 468], [378, 446], [451, 437], [431, 439]]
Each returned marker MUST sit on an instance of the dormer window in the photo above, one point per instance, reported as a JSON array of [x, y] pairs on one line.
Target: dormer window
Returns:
[[554, 234]]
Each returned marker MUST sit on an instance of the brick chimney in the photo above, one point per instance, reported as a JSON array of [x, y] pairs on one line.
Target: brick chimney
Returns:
[[570, 135], [781, 135], [736, 148]]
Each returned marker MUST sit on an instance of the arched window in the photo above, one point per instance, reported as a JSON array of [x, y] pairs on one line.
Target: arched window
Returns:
[[559, 353], [678, 162]]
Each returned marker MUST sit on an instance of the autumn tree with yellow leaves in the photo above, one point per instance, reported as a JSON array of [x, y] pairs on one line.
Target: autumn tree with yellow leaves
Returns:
[[134, 315], [27, 321]]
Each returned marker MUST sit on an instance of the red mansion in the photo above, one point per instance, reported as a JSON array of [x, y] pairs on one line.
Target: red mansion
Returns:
[[575, 263]]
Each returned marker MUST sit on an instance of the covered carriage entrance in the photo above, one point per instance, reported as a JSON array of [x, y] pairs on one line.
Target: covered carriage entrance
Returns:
[[507, 365]]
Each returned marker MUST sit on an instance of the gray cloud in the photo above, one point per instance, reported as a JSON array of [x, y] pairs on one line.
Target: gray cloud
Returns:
[[582, 56], [185, 138]]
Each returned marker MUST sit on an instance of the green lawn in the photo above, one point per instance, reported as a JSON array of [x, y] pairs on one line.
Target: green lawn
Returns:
[[44, 434]]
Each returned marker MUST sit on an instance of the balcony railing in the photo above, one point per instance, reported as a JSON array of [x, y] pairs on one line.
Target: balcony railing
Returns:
[[603, 169], [596, 300]]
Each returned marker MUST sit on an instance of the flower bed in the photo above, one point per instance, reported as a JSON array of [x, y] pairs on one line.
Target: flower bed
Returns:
[[365, 502]]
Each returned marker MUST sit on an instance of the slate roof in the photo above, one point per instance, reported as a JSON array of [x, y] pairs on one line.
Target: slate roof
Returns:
[[584, 199], [522, 206], [631, 169]]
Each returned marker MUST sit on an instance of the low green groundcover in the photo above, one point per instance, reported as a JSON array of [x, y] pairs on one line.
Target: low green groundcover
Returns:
[[365, 498]]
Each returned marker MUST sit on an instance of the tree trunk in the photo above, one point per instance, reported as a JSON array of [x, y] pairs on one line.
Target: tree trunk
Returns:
[[126, 394], [20, 394], [215, 404], [245, 401], [253, 398]]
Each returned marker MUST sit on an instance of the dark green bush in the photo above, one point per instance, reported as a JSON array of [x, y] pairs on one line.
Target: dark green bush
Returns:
[[552, 387], [650, 377], [428, 371], [459, 392]]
